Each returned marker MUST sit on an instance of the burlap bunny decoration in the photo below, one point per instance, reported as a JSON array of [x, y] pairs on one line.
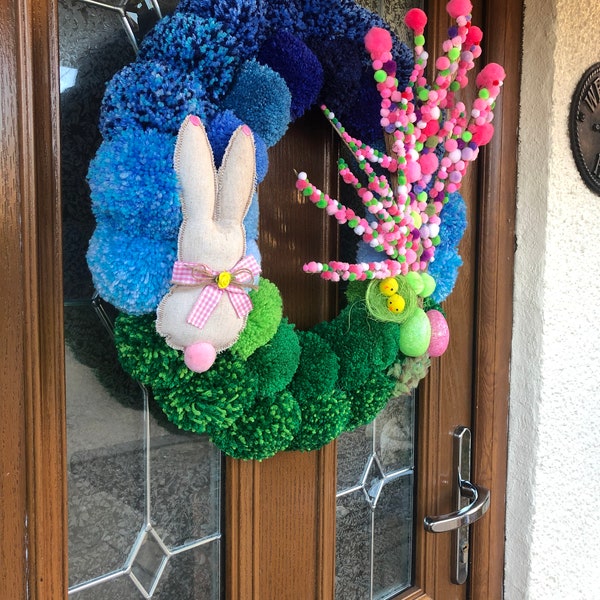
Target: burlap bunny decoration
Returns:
[[207, 305]]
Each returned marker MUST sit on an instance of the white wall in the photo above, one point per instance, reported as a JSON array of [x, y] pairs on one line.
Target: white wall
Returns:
[[553, 503]]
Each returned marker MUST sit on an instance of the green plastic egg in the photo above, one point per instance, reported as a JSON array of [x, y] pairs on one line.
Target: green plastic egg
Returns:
[[415, 334]]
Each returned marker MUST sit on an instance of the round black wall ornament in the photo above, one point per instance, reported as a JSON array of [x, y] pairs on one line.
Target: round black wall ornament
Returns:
[[584, 127]]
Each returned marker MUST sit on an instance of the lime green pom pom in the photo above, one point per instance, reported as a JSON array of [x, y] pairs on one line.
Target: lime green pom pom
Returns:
[[210, 400], [370, 399], [263, 320], [380, 76], [419, 40]]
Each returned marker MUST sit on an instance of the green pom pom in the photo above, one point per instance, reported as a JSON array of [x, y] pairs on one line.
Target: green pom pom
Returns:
[[318, 367], [265, 428], [212, 400], [419, 40], [370, 399], [263, 320], [380, 76], [145, 355], [276, 362], [324, 417], [363, 345], [356, 291]]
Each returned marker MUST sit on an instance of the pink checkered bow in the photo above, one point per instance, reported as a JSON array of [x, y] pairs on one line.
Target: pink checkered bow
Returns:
[[215, 283]]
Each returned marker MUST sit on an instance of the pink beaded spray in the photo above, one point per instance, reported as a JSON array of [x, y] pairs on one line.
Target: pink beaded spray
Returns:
[[431, 139]]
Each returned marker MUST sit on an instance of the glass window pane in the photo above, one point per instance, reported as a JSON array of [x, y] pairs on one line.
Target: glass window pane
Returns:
[[144, 497]]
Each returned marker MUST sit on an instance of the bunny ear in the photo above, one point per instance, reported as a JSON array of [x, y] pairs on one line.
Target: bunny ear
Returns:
[[195, 168], [237, 177]]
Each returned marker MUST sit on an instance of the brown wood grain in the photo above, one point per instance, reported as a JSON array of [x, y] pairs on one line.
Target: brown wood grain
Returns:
[[503, 20], [32, 409]]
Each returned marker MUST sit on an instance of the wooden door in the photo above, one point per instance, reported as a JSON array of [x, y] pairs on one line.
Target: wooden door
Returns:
[[280, 513]]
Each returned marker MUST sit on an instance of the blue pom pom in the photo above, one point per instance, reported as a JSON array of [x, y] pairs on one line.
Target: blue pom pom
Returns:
[[341, 60], [268, 113], [192, 43], [453, 220], [444, 269], [242, 19], [298, 65], [284, 16], [152, 95], [132, 273], [220, 131], [132, 181], [251, 219]]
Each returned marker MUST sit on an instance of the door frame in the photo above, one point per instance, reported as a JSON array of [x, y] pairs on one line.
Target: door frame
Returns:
[[33, 497]]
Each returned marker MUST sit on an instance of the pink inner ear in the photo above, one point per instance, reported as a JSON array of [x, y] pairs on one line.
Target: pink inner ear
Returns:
[[194, 120], [246, 129]]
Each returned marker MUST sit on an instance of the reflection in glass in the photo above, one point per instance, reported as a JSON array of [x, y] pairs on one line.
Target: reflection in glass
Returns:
[[144, 498]]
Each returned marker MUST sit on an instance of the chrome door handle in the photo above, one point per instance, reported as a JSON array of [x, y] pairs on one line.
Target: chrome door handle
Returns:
[[466, 513], [480, 502]]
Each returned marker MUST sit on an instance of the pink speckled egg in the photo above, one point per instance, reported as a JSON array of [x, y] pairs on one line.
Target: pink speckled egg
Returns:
[[440, 334]]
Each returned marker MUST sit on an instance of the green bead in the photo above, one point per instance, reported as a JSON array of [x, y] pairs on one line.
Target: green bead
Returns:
[[322, 203], [307, 191], [467, 136], [436, 240], [423, 94], [432, 141], [353, 223], [454, 86], [422, 196], [419, 40], [484, 93]]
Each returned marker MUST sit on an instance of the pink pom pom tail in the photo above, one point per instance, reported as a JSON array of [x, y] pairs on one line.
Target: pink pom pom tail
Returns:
[[378, 41]]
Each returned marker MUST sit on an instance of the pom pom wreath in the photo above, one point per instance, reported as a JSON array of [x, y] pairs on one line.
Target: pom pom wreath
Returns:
[[275, 388], [242, 19], [266, 427], [152, 95], [269, 112], [378, 41], [297, 64], [263, 320], [416, 20], [187, 41], [276, 362], [132, 273], [132, 181], [459, 8]]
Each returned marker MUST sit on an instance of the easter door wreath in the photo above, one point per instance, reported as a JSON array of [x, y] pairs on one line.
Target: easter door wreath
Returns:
[[185, 130]]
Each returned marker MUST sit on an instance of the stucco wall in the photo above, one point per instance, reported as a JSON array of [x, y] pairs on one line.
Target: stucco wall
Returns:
[[553, 502]]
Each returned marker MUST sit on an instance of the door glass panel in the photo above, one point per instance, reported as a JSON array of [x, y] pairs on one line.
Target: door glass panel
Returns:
[[144, 498], [375, 516]]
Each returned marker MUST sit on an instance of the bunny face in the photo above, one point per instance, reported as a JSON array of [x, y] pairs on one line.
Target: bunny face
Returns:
[[206, 308]]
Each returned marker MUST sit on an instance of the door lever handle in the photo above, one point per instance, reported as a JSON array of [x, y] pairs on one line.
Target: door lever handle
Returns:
[[480, 502], [466, 512]]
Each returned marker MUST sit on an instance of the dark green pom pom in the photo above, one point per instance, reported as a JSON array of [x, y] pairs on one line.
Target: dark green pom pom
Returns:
[[265, 428]]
